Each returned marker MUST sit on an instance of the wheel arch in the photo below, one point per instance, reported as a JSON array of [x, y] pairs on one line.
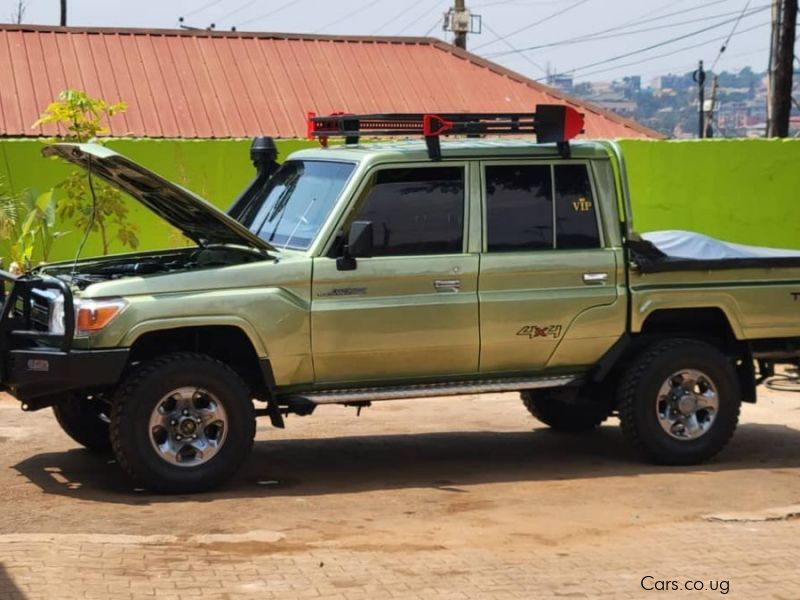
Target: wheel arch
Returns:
[[712, 323], [227, 343], [708, 324]]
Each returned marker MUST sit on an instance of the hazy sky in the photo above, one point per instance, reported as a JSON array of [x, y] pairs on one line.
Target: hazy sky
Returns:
[[623, 28]]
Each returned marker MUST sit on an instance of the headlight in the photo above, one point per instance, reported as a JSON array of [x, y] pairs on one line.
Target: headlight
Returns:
[[90, 315], [57, 315], [93, 315]]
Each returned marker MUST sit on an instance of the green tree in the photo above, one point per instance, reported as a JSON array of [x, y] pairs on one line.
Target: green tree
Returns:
[[83, 118], [28, 222]]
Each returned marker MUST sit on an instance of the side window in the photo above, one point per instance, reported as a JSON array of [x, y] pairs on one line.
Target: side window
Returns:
[[519, 208], [576, 215], [416, 211]]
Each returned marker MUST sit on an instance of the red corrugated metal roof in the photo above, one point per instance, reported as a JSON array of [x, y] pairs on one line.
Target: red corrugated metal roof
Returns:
[[216, 84]]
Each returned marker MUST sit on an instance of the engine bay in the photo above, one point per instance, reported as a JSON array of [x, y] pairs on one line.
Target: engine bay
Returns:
[[85, 273]]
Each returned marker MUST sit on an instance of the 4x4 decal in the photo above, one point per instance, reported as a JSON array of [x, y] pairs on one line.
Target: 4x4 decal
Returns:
[[534, 331]]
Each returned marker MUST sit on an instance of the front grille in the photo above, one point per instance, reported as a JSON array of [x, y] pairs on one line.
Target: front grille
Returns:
[[40, 313], [40, 302]]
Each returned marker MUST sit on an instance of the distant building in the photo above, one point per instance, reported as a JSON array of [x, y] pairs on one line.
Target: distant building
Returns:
[[620, 106], [564, 83], [671, 82]]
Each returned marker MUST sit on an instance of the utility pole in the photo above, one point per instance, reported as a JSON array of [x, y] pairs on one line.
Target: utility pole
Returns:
[[699, 78], [711, 104], [63, 13], [781, 71], [461, 21], [461, 32], [19, 14]]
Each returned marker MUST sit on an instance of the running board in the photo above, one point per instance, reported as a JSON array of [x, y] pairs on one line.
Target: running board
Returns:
[[375, 394]]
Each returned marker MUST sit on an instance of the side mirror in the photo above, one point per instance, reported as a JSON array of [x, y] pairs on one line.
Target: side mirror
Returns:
[[359, 245]]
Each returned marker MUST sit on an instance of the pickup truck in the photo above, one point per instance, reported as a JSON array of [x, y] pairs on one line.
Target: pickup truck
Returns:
[[371, 272]]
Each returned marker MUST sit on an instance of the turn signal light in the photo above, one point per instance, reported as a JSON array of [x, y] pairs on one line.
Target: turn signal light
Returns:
[[92, 316]]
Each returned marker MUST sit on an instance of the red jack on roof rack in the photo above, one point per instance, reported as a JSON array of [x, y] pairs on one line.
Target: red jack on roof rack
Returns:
[[551, 123]]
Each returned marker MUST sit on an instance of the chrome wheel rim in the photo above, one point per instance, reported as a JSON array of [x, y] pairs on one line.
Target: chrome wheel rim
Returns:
[[687, 404], [188, 426]]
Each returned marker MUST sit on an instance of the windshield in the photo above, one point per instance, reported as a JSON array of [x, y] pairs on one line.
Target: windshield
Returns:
[[297, 201]]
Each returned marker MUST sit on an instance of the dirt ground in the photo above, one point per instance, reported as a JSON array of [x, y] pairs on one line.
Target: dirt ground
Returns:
[[433, 498]]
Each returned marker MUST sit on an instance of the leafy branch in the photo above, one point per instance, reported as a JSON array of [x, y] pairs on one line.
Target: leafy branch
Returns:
[[84, 118]]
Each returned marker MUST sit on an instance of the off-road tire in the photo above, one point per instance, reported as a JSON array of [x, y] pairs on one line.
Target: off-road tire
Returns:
[[551, 408], [140, 393], [638, 395], [85, 421]]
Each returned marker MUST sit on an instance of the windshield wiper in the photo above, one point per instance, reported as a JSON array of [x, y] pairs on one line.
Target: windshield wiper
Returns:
[[300, 221]]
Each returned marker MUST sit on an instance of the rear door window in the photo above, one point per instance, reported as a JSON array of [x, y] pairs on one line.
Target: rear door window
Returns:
[[519, 208], [533, 207], [576, 214]]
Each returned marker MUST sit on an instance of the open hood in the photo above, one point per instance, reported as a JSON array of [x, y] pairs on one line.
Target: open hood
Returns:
[[195, 217]]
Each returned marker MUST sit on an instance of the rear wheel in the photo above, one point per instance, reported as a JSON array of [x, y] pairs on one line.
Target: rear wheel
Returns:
[[566, 411], [85, 420], [182, 423], [679, 402]]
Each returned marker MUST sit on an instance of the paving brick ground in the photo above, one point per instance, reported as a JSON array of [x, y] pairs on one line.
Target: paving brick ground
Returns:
[[408, 502], [755, 560]]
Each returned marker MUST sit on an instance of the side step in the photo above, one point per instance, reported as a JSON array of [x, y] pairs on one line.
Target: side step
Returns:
[[375, 394]]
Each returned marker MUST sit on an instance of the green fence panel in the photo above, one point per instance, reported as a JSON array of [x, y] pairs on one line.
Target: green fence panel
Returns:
[[745, 190], [217, 170]]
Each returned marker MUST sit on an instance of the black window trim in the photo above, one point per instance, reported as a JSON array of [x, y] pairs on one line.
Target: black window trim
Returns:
[[552, 163], [366, 178]]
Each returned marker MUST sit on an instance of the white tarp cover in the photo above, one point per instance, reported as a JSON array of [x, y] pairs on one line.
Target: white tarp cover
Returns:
[[687, 244]]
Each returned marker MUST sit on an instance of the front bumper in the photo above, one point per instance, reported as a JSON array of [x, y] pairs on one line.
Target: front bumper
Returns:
[[36, 364], [35, 373]]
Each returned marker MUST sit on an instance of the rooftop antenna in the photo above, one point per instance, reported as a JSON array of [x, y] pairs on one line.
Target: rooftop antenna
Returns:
[[183, 25]]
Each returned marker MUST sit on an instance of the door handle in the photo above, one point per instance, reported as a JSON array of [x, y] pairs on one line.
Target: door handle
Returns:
[[595, 278], [447, 285]]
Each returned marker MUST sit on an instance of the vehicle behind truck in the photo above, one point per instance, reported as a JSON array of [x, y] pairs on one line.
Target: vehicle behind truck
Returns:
[[358, 273]]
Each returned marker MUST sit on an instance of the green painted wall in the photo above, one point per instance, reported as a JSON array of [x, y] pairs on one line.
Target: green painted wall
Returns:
[[216, 169], [745, 191]]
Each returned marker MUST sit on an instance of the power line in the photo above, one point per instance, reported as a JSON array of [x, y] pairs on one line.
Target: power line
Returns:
[[434, 26], [624, 33], [666, 54], [598, 34], [658, 45], [202, 8], [507, 43], [436, 6], [236, 10], [516, 2], [395, 17], [535, 23], [656, 11], [733, 31], [690, 66], [272, 12], [348, 15]]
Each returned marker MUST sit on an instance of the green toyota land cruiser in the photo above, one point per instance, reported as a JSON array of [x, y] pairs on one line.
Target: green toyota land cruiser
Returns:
[[359, 273]]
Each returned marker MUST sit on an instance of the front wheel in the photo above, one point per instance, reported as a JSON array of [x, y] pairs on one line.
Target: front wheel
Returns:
[[679, 402], [566, 411], [182, 423], [85, 420]]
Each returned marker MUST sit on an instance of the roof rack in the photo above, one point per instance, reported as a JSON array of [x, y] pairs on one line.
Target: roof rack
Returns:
[[551, 123]]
